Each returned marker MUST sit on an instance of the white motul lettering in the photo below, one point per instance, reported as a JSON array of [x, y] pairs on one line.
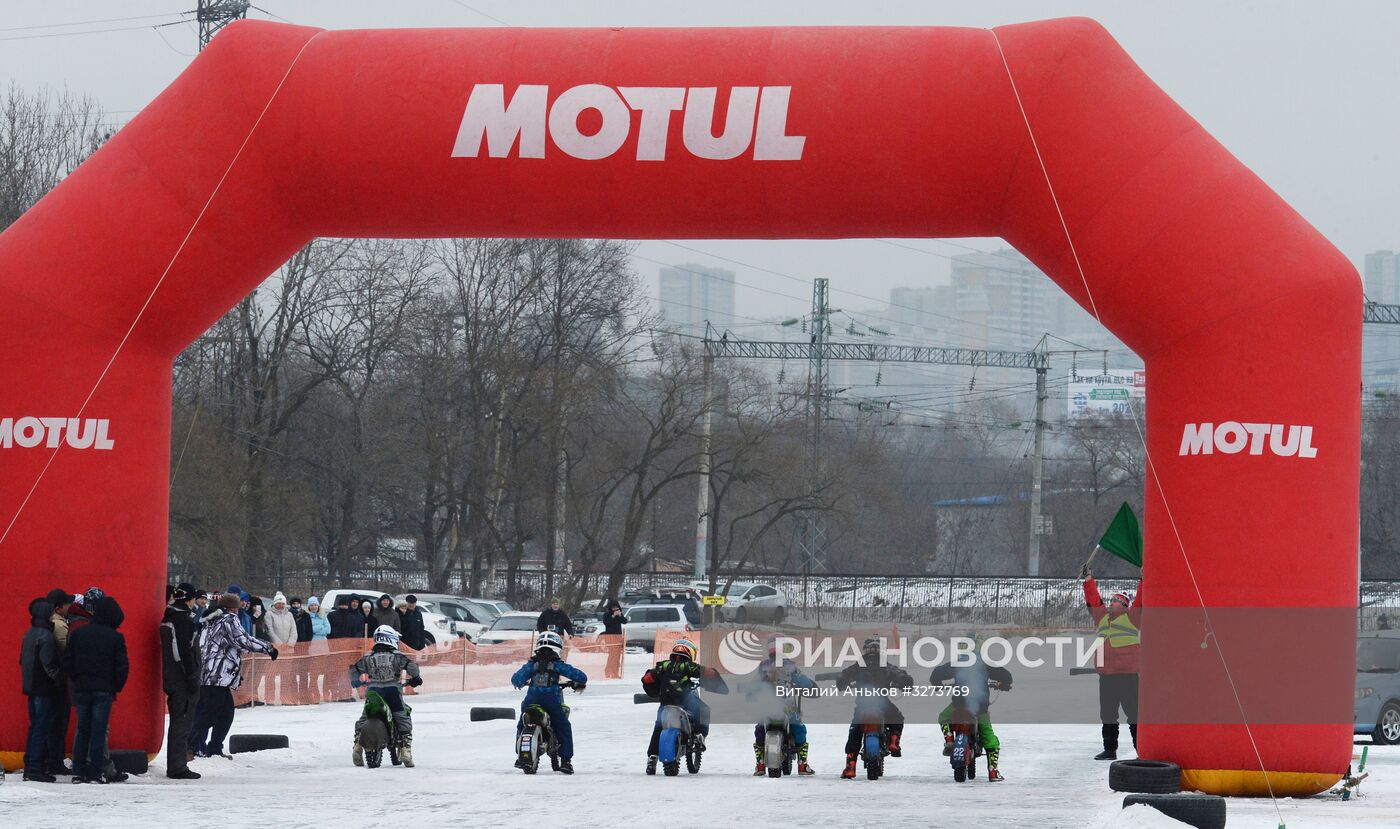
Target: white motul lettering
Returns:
[[52, 432], [755, 117], [772, 143], [487, 117], [656, 103], [1257, 433], [81, 439], [54, 425], [1276, 443], [1196, 439], [563, 122], [1305, 447], [102, 441], [1230, 437], [738, 122], [29, 432]]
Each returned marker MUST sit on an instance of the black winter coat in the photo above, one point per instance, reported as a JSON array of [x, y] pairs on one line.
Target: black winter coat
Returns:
[[556, 620], [303, 618], [412, 627], [38, 653], [178, 655], [96, 656], [343, 624], [612, 624]]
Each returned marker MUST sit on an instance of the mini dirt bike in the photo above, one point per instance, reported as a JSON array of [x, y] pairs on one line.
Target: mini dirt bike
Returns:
[[678, 741], [537, 737], [377, 733], [779, 748], [874, 745], [967, 741]]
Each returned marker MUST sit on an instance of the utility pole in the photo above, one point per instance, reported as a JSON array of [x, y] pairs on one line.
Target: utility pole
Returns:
[[1037, 460], [812, 531], [819, 351], [702, 501], [213, 15]]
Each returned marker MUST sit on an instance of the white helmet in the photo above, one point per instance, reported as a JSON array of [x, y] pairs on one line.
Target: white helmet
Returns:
[[386, 635], [551, 640]]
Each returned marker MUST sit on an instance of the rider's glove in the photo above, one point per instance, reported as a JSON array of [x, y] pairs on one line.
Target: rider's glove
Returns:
[[414, 682], [272, 654]]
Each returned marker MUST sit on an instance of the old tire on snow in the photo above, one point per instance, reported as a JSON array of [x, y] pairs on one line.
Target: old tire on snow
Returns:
[[244, 743], [481, 714], [1203, 811], [1144, 777]]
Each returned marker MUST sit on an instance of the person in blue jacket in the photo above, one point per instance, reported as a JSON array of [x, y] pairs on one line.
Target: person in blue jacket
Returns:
[[541, 673]]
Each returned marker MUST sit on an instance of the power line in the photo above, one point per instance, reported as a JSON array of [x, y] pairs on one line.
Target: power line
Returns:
[[94, 31], [93, 22]]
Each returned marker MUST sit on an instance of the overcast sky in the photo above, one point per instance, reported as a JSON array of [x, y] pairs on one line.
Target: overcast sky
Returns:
[[1307, 94]]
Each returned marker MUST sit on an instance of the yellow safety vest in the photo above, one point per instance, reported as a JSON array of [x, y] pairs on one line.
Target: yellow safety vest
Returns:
[[1118, 631]]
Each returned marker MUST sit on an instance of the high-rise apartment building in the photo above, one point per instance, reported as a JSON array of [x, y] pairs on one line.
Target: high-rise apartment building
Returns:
[[691, 295]]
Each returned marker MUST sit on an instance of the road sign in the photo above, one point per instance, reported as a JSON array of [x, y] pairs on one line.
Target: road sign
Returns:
[[716, 600]]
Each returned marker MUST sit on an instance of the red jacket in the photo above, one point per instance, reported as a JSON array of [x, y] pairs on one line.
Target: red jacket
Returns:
[[1120, 633]]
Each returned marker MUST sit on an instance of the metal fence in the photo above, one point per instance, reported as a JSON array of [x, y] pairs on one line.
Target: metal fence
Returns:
[[825, 599]]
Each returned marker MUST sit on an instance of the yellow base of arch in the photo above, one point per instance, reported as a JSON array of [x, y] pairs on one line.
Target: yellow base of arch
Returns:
[[1242, 783], [12, 760]]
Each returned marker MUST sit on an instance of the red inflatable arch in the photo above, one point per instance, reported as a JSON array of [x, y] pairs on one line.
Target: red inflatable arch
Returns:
[[1247, 318]]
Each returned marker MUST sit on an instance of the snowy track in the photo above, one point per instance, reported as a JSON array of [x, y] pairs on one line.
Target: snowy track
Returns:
[[464, 778]]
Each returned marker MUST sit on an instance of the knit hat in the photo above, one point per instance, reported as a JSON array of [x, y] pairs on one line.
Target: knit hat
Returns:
[[1121, 597], [278, 598], [184, 591], [313, 602]]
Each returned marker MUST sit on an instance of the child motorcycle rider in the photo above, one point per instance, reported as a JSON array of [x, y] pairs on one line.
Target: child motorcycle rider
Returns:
[[541, 672], [974, 678], [772, 676], [872, 674], [676, 682], [382, 670]]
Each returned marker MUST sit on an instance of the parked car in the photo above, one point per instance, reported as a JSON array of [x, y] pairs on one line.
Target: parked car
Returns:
[[641, 622], [1378, 687], [510, 627], [458, 616], [495, 606], [687, 598], [745, 602]]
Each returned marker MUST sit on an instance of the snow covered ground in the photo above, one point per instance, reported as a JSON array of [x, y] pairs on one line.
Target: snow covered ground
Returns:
[[464, 778]]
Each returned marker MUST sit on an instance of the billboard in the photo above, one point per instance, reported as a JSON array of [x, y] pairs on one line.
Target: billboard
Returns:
[[1113, 391]]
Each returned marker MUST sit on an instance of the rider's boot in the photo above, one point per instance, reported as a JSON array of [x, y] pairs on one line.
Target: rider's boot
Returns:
[[947, 745], [566, 766], [895, 750], [651, 764], [698, 741], [357, 756], [993, 776], [759, 769], [802, 767], [406, 750], [849, 772]]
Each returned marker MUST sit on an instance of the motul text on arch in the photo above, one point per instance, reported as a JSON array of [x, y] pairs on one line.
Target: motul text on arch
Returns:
[[51, 432], [756, 117], [1233, 437]]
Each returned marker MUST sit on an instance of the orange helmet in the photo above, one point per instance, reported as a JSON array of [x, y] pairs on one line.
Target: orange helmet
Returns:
[[685, 648]]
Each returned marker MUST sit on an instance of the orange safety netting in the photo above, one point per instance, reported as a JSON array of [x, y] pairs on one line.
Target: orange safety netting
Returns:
[[309, 673]]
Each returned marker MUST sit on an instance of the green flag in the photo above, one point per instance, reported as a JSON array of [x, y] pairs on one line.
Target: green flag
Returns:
[[1123, 538]]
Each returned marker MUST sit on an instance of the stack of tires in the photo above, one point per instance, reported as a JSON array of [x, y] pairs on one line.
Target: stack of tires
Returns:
[[1158, 784]]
